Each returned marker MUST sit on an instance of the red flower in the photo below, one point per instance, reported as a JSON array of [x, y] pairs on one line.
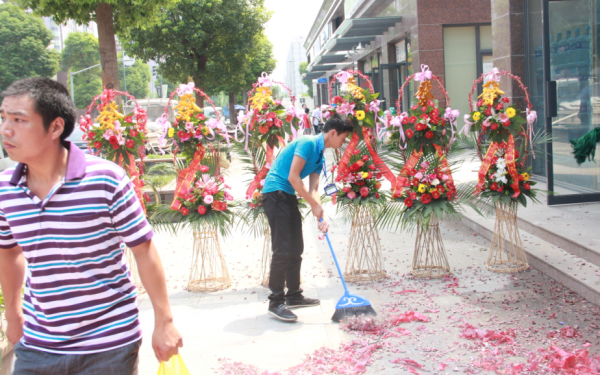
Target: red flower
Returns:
[[91, 135], [201, 210], [416, 182], [364, 191], [184, 211], [346, 189], [480, 103], [378, 175], [488, 112], [500, 189], [424, 108], [265, 106], [219, 206], [372, 167], [405, 121], [425, 198], [378, 185], [412, 195], [263, 129], [527, 186], [356, 151], [494, 186], [97, 145], [506, 123], [200, 116], [414, 107], [113, 140], [116, 146], [365, 157], [376, 195], [413, 119], [128, 119], [338, 99], [130, 143], [499, 107], [429, 134], [408, 202], [133, 133], [517, 154], [146, 197], [505, 100], [494, 126], [409, 133], [354, 167], [289, 118], [420, 127], [441, 189], [435, 194], [181, 134]]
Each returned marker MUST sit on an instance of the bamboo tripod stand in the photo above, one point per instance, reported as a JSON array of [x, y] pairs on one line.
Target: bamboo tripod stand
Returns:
[[429, 259], [133, 270], [365, 261], [506, 251], [209, 271]]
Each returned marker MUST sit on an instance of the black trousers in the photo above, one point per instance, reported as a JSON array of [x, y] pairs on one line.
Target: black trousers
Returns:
[[287, 244]]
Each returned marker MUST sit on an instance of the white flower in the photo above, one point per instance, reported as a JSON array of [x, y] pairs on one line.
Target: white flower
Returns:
[[501, 163], [435, 182]]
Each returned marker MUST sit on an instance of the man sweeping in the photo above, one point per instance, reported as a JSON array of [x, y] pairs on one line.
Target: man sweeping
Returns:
[[302, 158]]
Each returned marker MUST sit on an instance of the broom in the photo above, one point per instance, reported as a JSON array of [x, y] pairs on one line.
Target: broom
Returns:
[[350, 304]]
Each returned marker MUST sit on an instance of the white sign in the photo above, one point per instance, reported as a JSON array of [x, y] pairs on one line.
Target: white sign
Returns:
[[401, 51]]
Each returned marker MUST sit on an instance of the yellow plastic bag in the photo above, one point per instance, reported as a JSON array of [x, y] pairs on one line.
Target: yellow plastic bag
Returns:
[[174, 366]]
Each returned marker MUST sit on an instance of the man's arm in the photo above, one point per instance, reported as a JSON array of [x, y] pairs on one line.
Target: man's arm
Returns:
[[312, 195], [166, 339], [12, 274]]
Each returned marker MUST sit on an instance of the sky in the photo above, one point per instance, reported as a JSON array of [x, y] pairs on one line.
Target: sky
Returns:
[[290, 19]]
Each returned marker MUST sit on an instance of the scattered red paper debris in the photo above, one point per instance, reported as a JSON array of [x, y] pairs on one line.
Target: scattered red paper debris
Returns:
[[442, 366], [406, 291], [407, 362], [402, 331], [566, 332], [453, 284], [408, 317], [472, 333]]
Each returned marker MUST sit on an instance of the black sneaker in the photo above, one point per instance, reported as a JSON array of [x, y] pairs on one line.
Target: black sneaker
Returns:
[[304, 302], [282, 313]]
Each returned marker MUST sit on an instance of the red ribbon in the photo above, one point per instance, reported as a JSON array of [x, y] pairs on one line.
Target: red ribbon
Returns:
[[134, 176], [378, 162], [511, 166], [343, 164], [446, 167], [401, 180], [485, 166], [186, 176], [261, 174]]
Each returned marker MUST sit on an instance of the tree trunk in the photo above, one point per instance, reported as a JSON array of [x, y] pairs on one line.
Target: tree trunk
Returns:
[[232, 111], [201, 67], [107, 47]]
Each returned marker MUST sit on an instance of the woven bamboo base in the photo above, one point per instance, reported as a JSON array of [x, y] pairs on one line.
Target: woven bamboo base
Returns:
[[364, 252], [265, 263], [506, 252], [209, 271], [429, 259], [133, 269]]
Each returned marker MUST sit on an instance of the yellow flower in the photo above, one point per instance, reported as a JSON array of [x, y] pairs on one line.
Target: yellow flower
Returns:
[[171, 132], [525, 176], [431, 190], [360, 115], [422, 188], [476, 116], [510, 112], [365, 175]]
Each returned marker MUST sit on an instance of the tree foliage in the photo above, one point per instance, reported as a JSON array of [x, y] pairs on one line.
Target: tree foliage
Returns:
[[81, 52], [193, 38], [23, 46], [307, 82], [137, 77]]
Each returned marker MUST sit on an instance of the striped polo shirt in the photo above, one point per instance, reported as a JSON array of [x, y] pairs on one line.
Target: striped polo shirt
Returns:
[[79, 298]]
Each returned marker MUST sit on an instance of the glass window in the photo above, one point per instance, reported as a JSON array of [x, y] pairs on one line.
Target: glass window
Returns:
[[485, 37], [460, 60]]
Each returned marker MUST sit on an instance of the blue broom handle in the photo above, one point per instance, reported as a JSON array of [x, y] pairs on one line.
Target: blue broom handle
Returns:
[[335, 260]]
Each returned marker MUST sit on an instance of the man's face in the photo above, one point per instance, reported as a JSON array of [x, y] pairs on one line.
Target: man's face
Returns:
[[337, 140], [23, 135]]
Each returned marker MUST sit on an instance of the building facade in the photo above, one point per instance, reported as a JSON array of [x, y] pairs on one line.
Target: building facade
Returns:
[[293, 79], [61, 31], [552, 44]]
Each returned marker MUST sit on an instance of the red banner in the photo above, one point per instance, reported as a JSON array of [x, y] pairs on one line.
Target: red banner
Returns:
[[445, 165], [185, 177], [378, 162], [401, 180], [261, 174], [134, 176], [343, 164], [485, 166], [511, 166]]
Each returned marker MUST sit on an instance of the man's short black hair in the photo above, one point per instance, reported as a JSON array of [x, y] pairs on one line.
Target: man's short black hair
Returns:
[[338, 122], [51, 100], [306, 110]]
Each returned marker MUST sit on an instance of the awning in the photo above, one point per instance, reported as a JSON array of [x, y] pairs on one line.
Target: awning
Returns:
[[312, 75], [321, 68], [346, 44], [357, 27], [330, 59]]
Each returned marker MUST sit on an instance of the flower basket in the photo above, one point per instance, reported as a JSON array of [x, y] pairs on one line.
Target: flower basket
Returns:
[[506, 251], [429, 259], [209, 271], [504, 141], [267, 120], [365, 260]]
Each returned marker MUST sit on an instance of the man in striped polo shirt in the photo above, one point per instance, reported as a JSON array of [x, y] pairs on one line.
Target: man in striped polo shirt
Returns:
[[67, 214]]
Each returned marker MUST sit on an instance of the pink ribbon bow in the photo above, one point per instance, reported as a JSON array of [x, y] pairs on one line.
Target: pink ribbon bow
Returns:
[[465, 129], [451, 115], [184, 89], [424, 75], [397, 122], [374, 106], [163, 121], [494, 74], [531, 117], [343, 76], [264, 80]]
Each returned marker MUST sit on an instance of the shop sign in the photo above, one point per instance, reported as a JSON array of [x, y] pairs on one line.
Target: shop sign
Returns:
[[401, 51]]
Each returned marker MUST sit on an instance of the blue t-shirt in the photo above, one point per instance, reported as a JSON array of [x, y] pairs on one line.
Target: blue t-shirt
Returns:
[[309, 148]]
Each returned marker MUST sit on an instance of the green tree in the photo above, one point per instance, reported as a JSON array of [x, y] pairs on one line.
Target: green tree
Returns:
[[110, 15], [24, 41], [81, 52], [190, 34], [307, 82], [137, 78]]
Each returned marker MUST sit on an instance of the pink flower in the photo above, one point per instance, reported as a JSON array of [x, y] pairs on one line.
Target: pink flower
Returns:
[[486, 123], [204, 168], [351, 195], [504, 117], [208, 199], [326, 114], [345, 108], [228, 196], [364, 191], [425, 164], [419, 175], [189, 126], [445, 178]]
